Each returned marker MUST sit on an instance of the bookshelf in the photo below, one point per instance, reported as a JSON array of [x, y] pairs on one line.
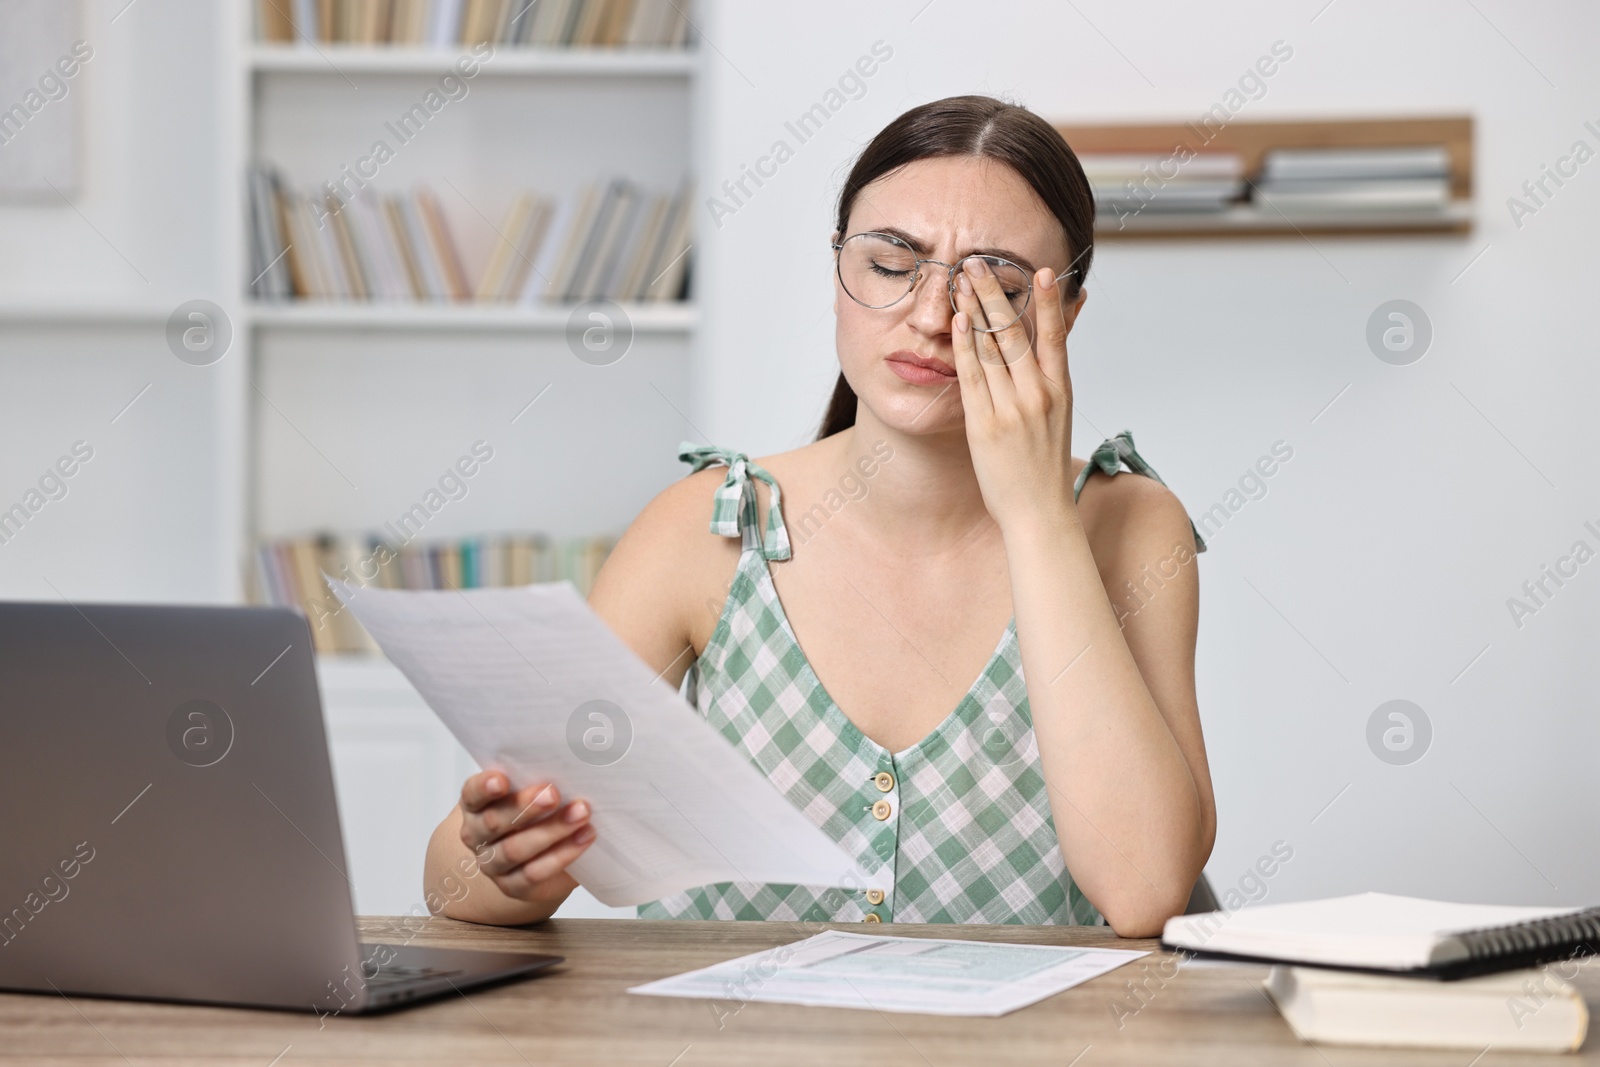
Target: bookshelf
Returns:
[[347, 411], [1251, 140], [311, 107]]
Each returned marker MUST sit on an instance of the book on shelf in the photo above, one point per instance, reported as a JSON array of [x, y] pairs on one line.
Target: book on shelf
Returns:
[[520, 234], [614, 239], [1350, 195], [1330, 180], [445, 251], [448, 23], [1322, 164], [268, 264], [274, 21], [1534, 1009], [671, 257], [289, 571], [1132, 182]]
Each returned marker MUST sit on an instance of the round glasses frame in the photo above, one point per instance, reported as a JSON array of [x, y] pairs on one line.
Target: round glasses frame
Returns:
[[950, 276]]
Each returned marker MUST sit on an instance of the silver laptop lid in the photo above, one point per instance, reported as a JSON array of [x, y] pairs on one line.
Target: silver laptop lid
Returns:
[[170, 826]]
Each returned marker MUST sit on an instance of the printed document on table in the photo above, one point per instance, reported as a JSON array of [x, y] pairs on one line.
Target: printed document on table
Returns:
[[532, 681], [925, 975]]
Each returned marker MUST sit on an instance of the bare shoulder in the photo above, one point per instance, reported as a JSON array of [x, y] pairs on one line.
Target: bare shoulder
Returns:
[[668, 563], [1141, 539], [680, 511], [675, 526], [1129, 512]]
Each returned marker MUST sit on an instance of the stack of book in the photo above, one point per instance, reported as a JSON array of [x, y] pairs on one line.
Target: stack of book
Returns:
[[1376, 969], [1333, 180], [443, 23], [1130, 183], [289, 572], [610, 239]]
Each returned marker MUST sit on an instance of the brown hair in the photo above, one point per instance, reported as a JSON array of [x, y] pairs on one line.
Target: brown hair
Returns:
[[989, 128]]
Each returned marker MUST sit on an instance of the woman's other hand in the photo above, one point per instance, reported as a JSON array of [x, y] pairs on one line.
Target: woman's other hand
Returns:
[[1017, 396]]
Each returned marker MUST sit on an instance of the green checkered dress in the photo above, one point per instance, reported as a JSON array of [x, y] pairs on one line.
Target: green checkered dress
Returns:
[[955, 829]]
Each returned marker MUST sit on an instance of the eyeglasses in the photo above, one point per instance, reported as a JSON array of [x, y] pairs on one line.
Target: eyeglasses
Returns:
[[878, 270]]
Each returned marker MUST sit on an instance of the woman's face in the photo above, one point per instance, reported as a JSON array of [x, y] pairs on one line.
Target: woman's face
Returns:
[[945, 208]]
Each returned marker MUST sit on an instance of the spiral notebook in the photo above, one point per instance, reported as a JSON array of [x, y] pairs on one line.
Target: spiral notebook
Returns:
[[1388, 934]]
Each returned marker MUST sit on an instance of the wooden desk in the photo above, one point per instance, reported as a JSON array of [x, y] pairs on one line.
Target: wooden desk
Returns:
[[579, 1013]]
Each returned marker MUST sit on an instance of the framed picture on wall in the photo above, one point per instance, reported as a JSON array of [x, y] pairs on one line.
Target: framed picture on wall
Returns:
[[42, 57]]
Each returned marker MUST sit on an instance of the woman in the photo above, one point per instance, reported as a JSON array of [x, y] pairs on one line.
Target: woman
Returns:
[[1068, 783]]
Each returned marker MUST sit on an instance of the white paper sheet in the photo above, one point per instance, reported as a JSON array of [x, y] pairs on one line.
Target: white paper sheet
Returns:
[[928, 976], [532, 681]]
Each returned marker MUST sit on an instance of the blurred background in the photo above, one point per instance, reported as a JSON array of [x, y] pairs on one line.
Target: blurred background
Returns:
[[262, 341]]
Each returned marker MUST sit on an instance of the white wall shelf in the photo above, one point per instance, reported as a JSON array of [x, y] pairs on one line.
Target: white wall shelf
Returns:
[[1261, 220], [336, 60], [88, 314], [660, 318], [671, 317], [1251, 140]]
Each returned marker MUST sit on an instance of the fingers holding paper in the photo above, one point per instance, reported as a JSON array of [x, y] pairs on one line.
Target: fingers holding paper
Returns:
[[523, 840]]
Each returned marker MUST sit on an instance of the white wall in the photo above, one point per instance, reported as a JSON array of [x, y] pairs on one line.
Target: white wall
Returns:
[[1379, 563], [151, 515], [152, 99]]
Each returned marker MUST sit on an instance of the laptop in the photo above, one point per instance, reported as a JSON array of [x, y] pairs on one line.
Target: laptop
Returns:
[[171, 831]]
